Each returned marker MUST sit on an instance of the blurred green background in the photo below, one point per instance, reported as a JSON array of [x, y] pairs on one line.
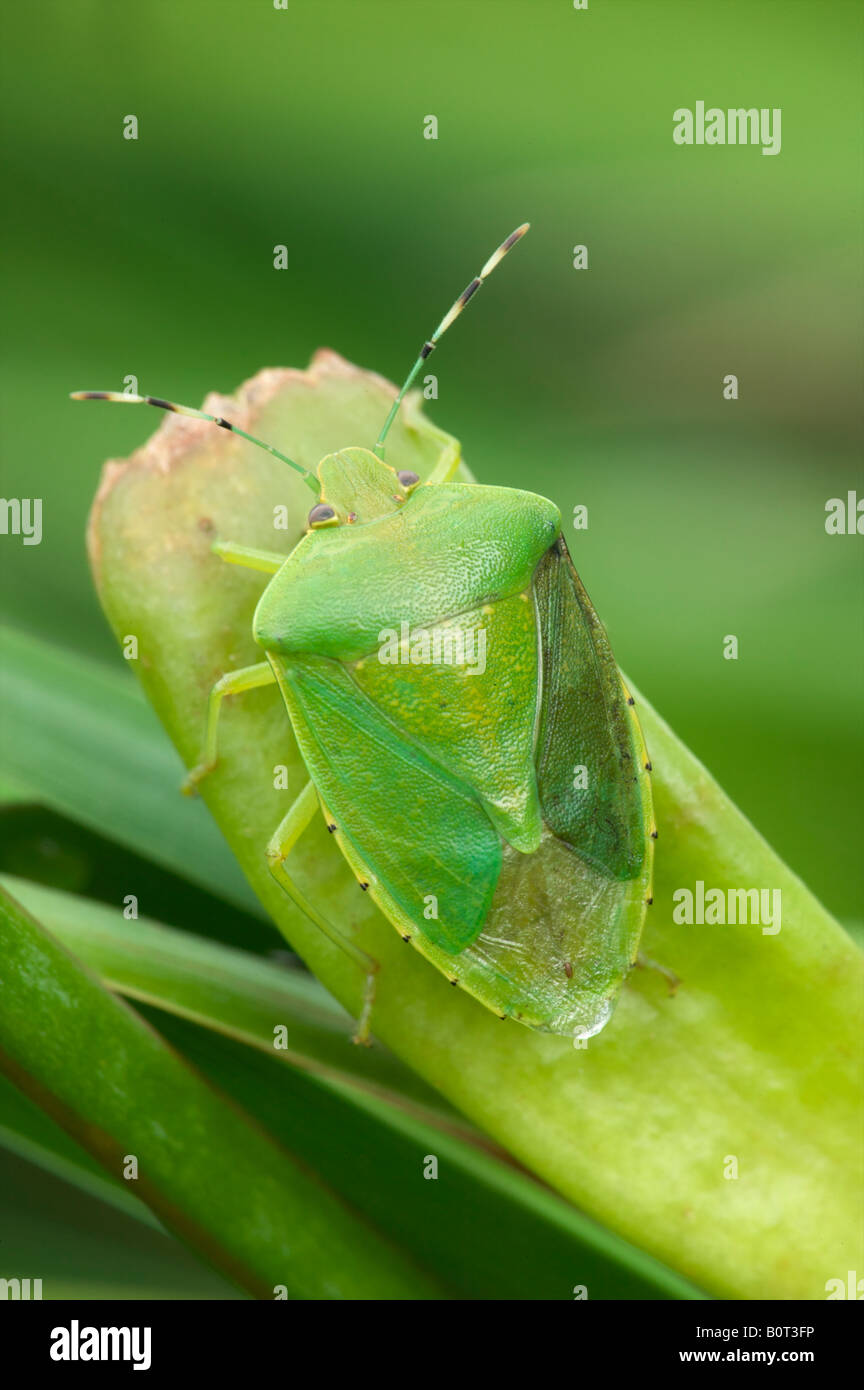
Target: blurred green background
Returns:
[[304, 127]]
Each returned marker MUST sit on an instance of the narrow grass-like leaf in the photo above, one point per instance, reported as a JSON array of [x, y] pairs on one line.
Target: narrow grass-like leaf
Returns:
[[78, 736], [31, 1134], [211, 1175], [228, 990], [79, 1248], [357, 1117], [483, 1226]]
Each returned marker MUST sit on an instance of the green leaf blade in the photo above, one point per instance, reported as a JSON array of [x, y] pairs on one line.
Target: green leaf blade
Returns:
[[208, 1173]]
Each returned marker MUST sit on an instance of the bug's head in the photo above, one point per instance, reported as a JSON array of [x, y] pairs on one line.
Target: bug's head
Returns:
[[356, 487]]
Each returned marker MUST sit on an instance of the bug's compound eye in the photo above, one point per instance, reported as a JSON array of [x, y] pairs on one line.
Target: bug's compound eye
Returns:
[[321, 515], [407, 478]]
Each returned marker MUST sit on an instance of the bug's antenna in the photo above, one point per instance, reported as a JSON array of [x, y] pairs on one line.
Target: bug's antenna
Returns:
[[452, 313], [308, 478]]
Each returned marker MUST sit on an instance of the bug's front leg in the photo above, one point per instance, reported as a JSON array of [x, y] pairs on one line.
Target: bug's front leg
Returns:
[[286, 836], [267, 560], [247, 678], [446, 467]]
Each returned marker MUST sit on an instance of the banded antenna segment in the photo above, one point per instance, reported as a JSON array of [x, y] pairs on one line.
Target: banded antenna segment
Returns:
[[120, 396], [452, 314]]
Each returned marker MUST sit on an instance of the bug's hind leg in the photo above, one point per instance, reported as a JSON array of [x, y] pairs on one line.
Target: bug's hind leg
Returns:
[[290, 829], [247, 678], [643, 962]]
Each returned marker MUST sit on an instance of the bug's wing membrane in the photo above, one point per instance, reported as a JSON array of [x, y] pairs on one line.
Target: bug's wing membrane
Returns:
[[440, 883], [590, 756], [578, 903]]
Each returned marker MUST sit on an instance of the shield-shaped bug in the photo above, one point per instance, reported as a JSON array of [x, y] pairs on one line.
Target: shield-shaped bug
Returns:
[[468, 737]]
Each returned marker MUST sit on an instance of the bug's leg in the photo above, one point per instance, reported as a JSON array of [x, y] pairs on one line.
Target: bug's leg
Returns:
[[247, 678], [245, 555], [643, 962], [446, 466], [285, 838]]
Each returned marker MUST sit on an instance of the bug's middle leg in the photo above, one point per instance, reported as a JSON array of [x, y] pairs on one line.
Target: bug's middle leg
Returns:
[[246, 678], [285, 838]]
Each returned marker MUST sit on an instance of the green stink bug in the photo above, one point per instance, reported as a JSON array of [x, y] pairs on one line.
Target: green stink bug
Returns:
[[467, 734]]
